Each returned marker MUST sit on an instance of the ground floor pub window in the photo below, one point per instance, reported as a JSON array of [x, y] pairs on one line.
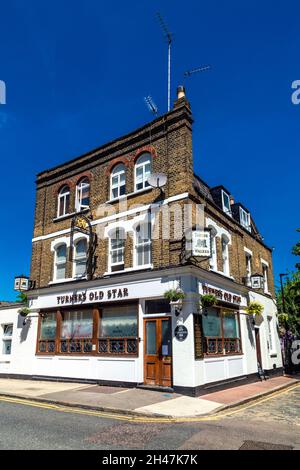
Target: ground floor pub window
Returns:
[[47, 333], [7, 331], [118, 330], [221, 332], [76, 331]]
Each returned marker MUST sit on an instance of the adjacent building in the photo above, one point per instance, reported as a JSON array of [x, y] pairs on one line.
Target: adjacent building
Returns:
[[108, 243]]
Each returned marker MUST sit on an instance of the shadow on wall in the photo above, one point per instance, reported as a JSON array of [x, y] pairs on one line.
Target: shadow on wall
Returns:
[[250, 331], [24, 328]]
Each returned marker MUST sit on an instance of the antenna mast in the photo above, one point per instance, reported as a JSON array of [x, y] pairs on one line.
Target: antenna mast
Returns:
[[168, 36]]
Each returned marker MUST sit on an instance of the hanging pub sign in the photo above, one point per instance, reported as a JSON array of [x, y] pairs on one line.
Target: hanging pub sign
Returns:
[[197, 244], [201, 244], [257, 281]]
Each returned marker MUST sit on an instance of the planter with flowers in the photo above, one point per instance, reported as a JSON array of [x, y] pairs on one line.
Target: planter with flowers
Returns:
[[255, 309], [175, 297], [24, 311], [206, 301]]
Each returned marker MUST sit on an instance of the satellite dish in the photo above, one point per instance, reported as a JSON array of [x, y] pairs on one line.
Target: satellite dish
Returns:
[[157, 180]]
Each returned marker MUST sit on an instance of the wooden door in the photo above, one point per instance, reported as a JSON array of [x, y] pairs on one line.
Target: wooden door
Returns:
[[158, 351], [258, 349]]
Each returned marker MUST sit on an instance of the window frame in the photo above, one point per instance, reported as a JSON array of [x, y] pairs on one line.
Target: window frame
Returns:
[[81, 258], [65, 199], [82, 184], [111, 264], [245, 216], [97, 312], [138, 245], [225, 255], [6, 338], [142, 165], [57, 263], [226, 209], [118, 185], [222, 314], [265, 269]]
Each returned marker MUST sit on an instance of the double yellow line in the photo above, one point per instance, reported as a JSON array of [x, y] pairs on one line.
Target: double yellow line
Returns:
[[145, 419]]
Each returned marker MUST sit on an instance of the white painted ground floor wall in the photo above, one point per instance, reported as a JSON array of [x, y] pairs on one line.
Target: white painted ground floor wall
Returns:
[[187, 372]]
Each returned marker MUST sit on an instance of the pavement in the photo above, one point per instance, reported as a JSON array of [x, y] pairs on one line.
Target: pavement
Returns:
[[138, 401]]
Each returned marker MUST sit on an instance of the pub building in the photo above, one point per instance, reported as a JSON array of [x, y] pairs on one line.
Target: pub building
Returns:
[[102, 263]]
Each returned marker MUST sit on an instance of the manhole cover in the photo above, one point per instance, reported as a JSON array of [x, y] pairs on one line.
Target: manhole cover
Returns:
[[256, 445]]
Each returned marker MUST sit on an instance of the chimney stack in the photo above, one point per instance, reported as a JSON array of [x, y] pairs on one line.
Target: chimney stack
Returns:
[[231, 200]]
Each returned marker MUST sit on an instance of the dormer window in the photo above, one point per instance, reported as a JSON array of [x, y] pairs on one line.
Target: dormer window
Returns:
[[245, 219], [226, 203]]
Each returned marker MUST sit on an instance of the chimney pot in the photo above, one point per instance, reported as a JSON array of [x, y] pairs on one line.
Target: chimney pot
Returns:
[[180, 92], [231, 200]]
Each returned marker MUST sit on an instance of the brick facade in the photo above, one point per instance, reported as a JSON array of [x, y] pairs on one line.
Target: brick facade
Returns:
[[169, 140]]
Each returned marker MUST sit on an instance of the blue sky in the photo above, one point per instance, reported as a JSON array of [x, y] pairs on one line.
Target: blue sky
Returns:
[[76, 73]]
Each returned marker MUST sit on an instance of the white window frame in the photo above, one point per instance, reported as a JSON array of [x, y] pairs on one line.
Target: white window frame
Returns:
[[270, 333], [6, 337], [265, 268], [226, 209], [81, 185], [62, 201], [142, 165], [245, 219], [117, 172], [60, 263], [248, 267], [213, 262], [225, 255], [144, 244], [111, 249], [80, 258]]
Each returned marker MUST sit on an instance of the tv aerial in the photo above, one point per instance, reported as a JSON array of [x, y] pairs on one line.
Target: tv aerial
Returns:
[[168, 37], [151, 105], [204, 68]]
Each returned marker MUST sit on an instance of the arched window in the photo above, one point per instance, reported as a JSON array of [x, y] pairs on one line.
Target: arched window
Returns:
[[117, 249], [60, 262], [80, 258], [143, 169], [83, 194], [63, 203], [143, 244], [225, 255], [118, 181]]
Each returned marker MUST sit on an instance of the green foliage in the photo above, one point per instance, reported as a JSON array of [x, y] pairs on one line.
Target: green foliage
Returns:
[[173, 295], [208, 300], [24, 311], [255, 308], [289, 316], [22, 298]]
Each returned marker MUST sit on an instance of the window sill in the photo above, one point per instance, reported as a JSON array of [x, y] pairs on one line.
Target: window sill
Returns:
[[72, 214], [137, 268], [134, 193], [61, 281]]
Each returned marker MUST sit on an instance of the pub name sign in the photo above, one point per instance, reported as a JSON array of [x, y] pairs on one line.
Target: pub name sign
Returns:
[[93, 296], [222, 295]]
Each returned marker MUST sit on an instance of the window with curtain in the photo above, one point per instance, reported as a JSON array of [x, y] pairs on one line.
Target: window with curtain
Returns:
[[80, 258], [118, 330], [143, 244], [83, 195], [63, 206], [47, 333], [117, 249], [221, 332], [118, 181], [76, 331], [60, 262], [143, 171]]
